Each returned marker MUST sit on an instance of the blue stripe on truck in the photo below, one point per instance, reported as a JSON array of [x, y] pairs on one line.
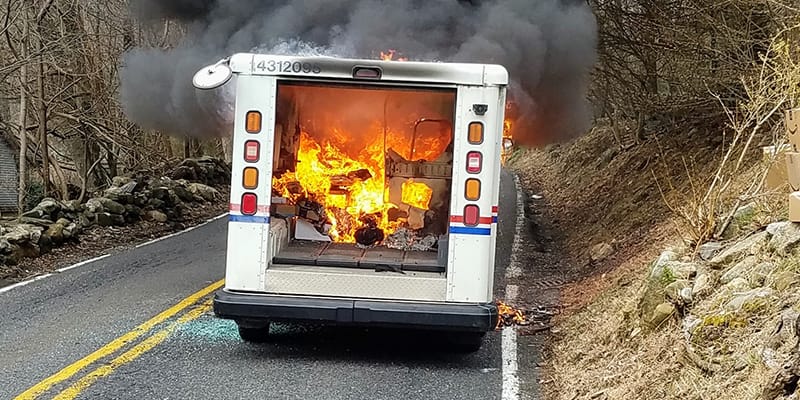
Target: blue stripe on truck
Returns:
[[253, 219], [463, 230]]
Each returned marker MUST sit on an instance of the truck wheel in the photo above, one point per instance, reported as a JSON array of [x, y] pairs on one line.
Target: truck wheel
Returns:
[[254, 333], [467, 342]]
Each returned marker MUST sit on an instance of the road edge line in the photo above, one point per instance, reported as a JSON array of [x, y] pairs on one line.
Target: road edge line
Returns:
[[67, 372], [171, 235], [28, 281], [510, 389]]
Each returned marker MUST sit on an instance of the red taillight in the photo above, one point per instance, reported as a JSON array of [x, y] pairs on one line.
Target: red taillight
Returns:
[[251, 151], [472, 215], [249, 204], [474, 162]]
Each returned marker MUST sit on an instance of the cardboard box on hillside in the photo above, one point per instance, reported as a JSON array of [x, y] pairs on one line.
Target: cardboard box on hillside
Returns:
[[794, 207], [793, 169], [777, 175], [793, 128]]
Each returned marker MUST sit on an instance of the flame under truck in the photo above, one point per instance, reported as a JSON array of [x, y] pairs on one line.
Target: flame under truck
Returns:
[[423, 144]]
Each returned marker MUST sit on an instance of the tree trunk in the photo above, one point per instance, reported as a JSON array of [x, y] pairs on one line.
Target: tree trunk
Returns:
[[42, 112], [23, 120]]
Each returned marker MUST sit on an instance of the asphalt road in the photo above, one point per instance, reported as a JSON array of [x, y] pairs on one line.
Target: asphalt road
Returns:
[[51, 324]]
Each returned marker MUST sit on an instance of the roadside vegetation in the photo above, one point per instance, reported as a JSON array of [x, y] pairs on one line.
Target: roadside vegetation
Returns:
[[698, 298]]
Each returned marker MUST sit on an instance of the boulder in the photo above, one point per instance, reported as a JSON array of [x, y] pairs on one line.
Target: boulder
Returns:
[[119, 181], [758, 276], [708, 250], [737, 285], [104, 219], [23, 233], [741, 269], [702, 286], [657, 270], [71, 231], [208, 193], [598, 252], [36, 213], [183, 193], [749, 301], [73, 206], [747, 246], [156, 216], [44, 223], [63, 221], [784, 280], [661, 313], [785, 237], [49, 205], [111, 206], [5, 246], [118, 195], [674, 292], [94, 206], [56, 233]]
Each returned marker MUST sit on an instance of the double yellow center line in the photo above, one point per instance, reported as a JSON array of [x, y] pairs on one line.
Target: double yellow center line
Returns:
[[112, 347]]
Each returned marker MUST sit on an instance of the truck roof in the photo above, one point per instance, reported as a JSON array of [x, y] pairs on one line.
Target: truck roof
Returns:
[[392, 71]]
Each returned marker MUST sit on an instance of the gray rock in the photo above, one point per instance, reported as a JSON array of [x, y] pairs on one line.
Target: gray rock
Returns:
[[784, 280], [94, 206], [657, 271], [55, 233], [36, 213], [5, 246], [71, 231], [183, 193], [737, 285], [104, 219], [23, 233], [708, 250], [741, 269], [160, 193], [118, 195], [119, 181], [49, 205], [744, 214], [673, 291], [74, 206], [208, 193], [686, 295], [702, 286], [758, 276], [598, 252], [750, 300], [156, 216], [748, 246], [63, 221], [785, 237], [111, 206], [661, 313], [44, 223]]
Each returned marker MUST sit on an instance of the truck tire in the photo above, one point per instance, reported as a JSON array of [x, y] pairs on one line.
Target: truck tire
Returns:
[[254, 333], [467, 342]]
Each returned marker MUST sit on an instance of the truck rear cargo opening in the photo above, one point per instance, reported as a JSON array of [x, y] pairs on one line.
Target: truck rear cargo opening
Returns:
[[363, 192]]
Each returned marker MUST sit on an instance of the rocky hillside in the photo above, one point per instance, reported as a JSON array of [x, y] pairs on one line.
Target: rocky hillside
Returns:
[[128, 201], [721, 325]]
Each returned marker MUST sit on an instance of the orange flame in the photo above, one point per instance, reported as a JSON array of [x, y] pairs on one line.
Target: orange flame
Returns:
[[417, 194], [509, 315], [389, 55]]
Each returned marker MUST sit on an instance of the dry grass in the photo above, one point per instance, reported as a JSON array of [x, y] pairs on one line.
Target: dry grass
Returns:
[[596, 350]]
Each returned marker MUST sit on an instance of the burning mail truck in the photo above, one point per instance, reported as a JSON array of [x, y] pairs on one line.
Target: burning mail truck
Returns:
[[364, 192]]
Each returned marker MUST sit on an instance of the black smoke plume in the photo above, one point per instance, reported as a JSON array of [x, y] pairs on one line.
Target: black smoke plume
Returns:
[[548, 47]]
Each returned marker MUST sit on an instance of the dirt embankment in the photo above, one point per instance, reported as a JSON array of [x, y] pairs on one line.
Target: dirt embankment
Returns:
[[641, 323]]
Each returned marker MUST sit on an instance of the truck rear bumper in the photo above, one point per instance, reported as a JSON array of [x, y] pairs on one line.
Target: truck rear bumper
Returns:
[[339, 311]]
